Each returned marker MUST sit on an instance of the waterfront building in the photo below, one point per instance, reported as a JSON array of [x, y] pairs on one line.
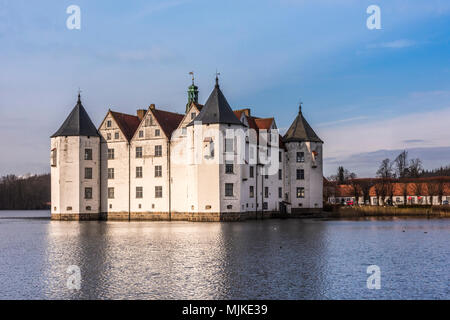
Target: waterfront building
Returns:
[[209, 164], [414, 191]]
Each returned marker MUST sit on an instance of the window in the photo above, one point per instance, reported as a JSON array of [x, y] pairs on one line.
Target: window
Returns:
[[300, 174], [300, 157], [110, 193], [53, 158], [138, 152], [184, 131], [300, 192], [266, 176], [280, 174], [280, 157], [141, 133], [88, 193], [110, 153], [228, 145], [87, 154], [228, 189], [108, 136], [193, 114], [157, 132], [88, 208], [228, 168], [116, 136], [88, 173], [108, 123], [252, 171], [158, 171], [265, 206], [158, 151], [110, 173], [266, 192], [139, 192], [280, 192], [138, 172], [158, 192], [252, 191]]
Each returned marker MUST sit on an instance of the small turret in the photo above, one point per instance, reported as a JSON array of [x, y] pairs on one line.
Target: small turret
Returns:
[[192, 93]]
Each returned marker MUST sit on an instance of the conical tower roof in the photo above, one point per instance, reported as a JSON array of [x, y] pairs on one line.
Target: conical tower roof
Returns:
[[77, 123], [300, 131], [216, 109]]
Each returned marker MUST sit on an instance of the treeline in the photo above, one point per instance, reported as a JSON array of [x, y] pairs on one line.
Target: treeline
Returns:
[[30, 193], [441, 172]]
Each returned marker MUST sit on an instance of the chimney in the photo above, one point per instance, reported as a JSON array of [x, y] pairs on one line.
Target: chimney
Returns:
[[141, 114], [152, 106], [247, 112]]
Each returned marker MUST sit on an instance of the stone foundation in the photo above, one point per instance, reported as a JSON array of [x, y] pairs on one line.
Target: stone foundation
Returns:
[[183, 216]]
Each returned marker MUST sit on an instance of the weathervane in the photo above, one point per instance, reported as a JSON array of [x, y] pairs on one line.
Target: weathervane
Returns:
[[217, 77], [192, 74], [300, 103]]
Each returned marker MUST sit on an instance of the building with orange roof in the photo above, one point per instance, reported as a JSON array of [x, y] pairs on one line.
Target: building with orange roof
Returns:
[[211, 163]]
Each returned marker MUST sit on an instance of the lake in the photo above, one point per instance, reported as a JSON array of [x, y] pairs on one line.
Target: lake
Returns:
[[269, 259]]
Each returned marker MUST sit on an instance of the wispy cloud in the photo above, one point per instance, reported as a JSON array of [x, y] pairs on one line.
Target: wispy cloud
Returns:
[[396, 44], [331, 123]]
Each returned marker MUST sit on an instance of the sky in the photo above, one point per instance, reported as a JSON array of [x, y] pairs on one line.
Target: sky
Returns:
[[366, 93]]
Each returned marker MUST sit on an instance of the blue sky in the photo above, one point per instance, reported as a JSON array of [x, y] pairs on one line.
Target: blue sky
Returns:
[[363, 90]]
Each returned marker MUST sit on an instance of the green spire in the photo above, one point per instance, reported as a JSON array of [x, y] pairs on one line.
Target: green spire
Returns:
[[192, 93]]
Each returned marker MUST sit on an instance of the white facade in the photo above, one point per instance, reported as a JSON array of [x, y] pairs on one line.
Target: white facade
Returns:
[[160, 166]]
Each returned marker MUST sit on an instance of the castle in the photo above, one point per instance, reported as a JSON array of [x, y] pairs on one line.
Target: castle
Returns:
[[209, 164]]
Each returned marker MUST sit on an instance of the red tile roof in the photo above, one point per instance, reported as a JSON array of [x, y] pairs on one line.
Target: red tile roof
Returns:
[[420, 187], [264, 124], [168, 121], [127, 123]]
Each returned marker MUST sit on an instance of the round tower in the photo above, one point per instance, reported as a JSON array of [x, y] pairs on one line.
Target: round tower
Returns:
[[304, 167], [75, 168]]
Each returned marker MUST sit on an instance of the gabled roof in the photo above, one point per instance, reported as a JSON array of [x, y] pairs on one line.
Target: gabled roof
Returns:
[[168, 121], [127, 123], [216, 110], [264, 124], [77, 123], [300, 131]]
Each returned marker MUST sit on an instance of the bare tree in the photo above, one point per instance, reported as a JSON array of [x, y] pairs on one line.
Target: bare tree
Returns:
[[401, 164], [365, 185], [385, 169], [415, 168]]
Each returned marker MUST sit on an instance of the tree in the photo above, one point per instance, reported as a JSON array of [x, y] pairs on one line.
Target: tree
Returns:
[[342, 176], [401, 164], [385, 169], [365, 185], [415, 168]]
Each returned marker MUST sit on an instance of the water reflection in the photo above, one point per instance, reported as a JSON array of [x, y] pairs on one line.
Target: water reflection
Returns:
[[276, 259]]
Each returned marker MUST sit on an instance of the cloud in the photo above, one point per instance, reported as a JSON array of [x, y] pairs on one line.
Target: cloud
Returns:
[[396, 44], [330, 123], [388, 133], [366, 164]]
